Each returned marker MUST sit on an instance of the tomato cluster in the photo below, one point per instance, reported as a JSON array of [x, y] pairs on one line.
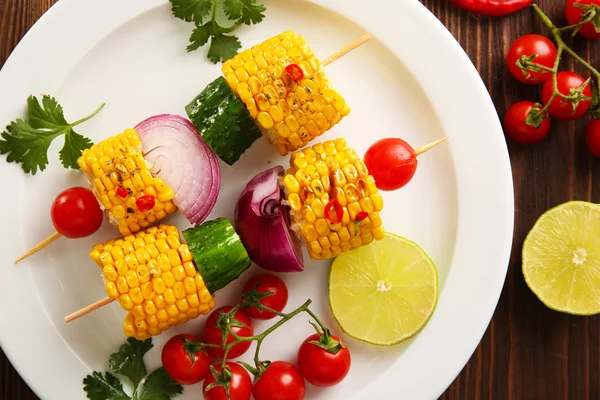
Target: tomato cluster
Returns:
[[188, 359], [532, 59]]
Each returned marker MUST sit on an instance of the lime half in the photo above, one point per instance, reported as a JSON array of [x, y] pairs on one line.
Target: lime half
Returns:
[[561, 258], [385, 292]]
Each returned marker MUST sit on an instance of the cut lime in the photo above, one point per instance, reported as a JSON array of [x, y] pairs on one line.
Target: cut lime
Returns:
[[383, 293], [561, 258]]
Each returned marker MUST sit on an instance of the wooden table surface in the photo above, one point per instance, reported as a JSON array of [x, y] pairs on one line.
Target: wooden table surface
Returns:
[[528, 351]]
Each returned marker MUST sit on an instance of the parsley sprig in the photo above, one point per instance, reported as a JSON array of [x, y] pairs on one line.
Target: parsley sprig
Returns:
[[129, 363], [26, 142], [203, 13]]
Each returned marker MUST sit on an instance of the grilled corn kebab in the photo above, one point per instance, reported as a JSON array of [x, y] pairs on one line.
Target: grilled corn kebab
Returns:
[[162, 282], [276, 89]]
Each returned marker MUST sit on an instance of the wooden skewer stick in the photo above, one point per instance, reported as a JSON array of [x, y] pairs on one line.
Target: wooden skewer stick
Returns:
[[365, 38], [88, 309], [39, 246], [429, 146]]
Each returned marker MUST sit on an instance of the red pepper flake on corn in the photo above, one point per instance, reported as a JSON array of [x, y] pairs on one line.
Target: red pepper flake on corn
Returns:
[[289, 112], [329, 180], [121, 180]]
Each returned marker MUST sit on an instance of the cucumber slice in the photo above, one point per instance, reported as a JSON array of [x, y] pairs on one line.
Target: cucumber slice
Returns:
[[218, 252], [223, 121]]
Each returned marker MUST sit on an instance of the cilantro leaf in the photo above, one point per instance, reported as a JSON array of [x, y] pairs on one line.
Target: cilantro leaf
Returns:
[[103, 387], [223, 47], [129, 360], [27, 141], [72, 149], [191, 10], [200, 36], [245, 11], [158, 386]]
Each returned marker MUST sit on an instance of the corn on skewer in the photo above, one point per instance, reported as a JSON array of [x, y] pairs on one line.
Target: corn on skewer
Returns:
[[290, 113], [119, 176], [155, 278]]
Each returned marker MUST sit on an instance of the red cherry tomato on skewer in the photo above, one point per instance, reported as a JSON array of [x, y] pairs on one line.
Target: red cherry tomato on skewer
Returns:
[[76, 213], [392, 162]]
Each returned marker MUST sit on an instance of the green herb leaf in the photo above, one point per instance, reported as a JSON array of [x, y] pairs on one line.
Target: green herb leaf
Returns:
[[191, 10], [223, 47], [158, 386], [200, 36], [246, 11], [104, 387], [129, 360], [26, 142]]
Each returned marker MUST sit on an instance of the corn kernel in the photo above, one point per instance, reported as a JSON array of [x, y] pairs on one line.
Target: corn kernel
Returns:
[[179, 290], [122, 285], [162, 316], [111, 289], [199, 282], [189, 285], [110, 273], [179, 272], [182, 305], [172, 310], [136, 295], [265, 120], [192, 299], [309, 232], [170, 296], [168, 279], [291, 184], [322, 227], [158, 285], [294, 202], [138, 312], [190, 269], [276, 114], [152, 322], [377, 202]]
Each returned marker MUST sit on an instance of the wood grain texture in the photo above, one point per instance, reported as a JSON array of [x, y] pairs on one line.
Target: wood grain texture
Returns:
[[528, 351]]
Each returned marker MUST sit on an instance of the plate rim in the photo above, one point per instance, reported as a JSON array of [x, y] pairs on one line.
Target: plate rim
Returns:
[[464, 75]]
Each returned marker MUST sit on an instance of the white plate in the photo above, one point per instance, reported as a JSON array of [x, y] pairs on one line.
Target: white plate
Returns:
[[131, 54]]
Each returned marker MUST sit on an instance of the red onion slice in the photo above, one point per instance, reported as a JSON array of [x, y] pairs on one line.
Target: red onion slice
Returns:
[[262, 223], [181, 158]]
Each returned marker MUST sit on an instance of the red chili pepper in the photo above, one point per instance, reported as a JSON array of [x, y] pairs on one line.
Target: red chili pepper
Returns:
[[294, 72], [121, 192], [145, 203], [492, 8], [361, 215], [334, 211]]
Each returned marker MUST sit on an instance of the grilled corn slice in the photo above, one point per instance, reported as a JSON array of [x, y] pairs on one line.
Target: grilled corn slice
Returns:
[[119, 176], [334, 203], [290, 113], [153, 276]]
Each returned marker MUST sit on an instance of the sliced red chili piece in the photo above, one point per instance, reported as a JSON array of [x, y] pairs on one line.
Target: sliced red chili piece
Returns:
[[294, 72], [121, 192], [361, 216], [334, 211], [145, 203]]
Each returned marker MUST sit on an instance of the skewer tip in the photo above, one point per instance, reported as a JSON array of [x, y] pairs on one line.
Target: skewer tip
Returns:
[[429, 146]]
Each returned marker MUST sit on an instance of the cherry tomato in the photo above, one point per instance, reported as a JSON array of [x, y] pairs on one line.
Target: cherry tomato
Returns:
[[516, 129], [592, 137], [560, 108], [531, 45], [76, 213], [281, 381], [320, 367], [214, 335], [240, 387], [268, 284], [178, 364], [392, 162], [575, 14]]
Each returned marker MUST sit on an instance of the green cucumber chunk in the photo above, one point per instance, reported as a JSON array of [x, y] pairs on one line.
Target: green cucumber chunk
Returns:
[[223, 121], [218, 252]]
